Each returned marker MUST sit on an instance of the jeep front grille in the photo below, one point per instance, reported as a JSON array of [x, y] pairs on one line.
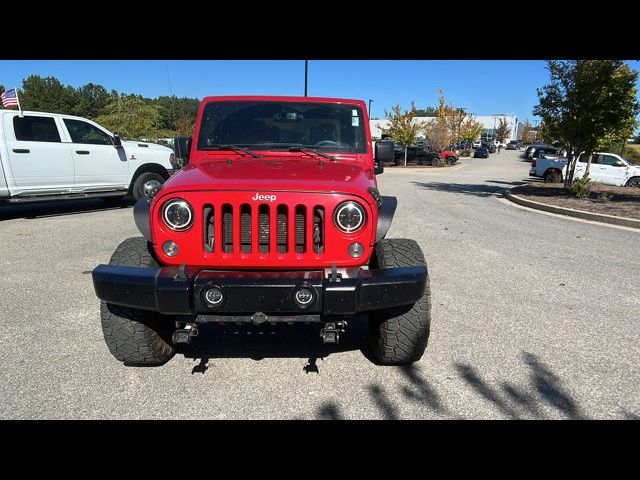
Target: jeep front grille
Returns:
[[248, 228]]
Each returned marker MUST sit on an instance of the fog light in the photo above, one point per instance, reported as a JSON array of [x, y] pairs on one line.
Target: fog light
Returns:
[[304, 297], [356, 250], [170, 248], [214, 296]]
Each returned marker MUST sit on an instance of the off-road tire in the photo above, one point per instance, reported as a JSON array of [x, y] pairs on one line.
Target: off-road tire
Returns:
[[137, 190], [552, 176], [136, 337], [399, 335], [451, 160], [634, 182], [435, 161]]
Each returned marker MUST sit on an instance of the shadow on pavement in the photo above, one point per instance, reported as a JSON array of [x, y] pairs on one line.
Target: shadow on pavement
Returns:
[[543, 389], [476, 189], [277, 341], [10, 211]]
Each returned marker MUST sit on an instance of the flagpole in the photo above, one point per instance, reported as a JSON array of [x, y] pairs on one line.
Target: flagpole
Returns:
[[18, 99]]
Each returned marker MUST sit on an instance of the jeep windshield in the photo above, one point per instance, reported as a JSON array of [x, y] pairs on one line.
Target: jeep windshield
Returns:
[[281, 126]]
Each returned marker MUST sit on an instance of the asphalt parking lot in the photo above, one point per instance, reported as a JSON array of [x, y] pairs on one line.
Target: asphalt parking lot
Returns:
[[534, 316]]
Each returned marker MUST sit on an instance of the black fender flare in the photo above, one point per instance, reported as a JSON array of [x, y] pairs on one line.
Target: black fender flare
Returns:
[[385, 216], [141, 217]]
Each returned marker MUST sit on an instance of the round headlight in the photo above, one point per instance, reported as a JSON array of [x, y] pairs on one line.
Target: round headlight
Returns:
[[349, 217], [177, 214]]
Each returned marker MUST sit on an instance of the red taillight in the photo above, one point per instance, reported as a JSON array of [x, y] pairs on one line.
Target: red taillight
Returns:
[[533, 163]]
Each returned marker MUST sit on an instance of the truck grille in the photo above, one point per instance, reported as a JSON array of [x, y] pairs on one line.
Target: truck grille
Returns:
[[263, 229]]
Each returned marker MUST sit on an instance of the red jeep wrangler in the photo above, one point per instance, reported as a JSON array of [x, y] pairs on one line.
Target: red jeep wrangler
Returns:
[[276, 218]]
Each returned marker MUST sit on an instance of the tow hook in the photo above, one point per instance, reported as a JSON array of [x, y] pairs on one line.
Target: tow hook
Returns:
[[184, 335], [330, 333]]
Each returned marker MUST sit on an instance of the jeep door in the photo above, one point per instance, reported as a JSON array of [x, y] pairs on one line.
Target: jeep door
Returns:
[[38, 160], [97, 162]]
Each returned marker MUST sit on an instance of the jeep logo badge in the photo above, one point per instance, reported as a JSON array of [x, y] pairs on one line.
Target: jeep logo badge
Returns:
[[263, 198]]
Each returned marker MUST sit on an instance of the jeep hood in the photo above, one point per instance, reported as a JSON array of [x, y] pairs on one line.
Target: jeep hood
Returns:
[[272, 173]]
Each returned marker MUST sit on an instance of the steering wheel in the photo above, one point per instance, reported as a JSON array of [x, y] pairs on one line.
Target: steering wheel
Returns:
[[327, 143]]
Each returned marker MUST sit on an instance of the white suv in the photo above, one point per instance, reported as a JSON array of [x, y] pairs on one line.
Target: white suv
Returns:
[[51, 156]]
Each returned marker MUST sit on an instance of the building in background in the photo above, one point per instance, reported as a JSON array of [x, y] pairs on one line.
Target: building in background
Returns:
[[490, 123]]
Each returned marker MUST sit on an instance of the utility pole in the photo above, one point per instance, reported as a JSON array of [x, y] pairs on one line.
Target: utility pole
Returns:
[[306, 72]]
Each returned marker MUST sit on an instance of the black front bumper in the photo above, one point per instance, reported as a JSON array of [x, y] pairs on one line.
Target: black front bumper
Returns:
[[170, 291]]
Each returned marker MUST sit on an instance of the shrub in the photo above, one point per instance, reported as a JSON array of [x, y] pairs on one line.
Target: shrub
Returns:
[[466, 152], [581, 187], [441, 162], [632, 153]]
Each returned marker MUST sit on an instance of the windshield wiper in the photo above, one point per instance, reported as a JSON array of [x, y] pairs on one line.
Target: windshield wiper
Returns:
[[311, 150], [235, 148]]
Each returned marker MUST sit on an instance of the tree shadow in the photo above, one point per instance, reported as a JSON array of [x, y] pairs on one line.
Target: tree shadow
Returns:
[[543, 388], [419, 390], [515, 183], [547, 385], [382, 401], [475, 189], [11, 211], [273, 341], [329, 411]]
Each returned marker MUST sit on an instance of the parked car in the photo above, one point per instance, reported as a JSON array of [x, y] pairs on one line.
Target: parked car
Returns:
[[417, 154], [481, 152], [606, 168], [490, 147], [545, 151], [476, 144], [512, 146], [49, 156], [531, 149]]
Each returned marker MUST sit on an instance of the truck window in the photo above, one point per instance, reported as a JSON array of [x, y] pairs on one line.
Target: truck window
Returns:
[[608, 160], [83, 132], [36, 129]]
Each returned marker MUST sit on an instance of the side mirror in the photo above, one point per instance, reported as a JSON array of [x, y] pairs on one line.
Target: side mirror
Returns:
[[620, 163], [384, 153], [182, 146], [116, 141]]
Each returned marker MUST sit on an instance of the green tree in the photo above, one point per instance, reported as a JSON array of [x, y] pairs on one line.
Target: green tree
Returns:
[[1, 89], [173, 109], [471, 129], [47, 95], [91, 101], [427, 112], [585, 101], [133, 118], [503, 131], [185, 125], [402, 127], [526, 134], [444, 128]]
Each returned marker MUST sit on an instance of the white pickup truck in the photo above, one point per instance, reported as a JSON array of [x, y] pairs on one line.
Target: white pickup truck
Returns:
[[606, 168], [47, 156]]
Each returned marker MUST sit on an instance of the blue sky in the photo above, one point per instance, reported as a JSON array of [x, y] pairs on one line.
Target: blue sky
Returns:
[[484, 87]]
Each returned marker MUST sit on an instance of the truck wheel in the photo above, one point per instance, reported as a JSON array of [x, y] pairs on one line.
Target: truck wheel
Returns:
[[552, 176], [136, 337], [146, 181], [434, 162], [634, 182], [451, 160], [399, 335]]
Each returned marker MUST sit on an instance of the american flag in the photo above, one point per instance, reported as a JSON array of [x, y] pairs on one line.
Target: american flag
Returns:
[[10, 98]]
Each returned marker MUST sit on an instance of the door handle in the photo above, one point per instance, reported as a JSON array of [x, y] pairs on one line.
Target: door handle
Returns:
[[21, 150], [83, 152]]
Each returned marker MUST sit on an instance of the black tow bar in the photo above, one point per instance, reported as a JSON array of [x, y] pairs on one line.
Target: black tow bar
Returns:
[[184, 335], [330, 333]]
